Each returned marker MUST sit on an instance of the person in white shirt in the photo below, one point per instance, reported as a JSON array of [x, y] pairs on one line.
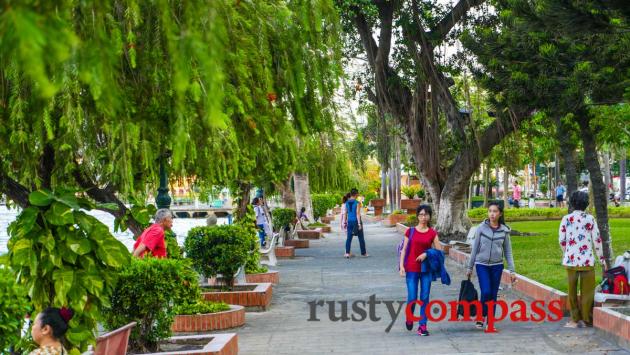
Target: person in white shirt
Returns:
[[261, 219]]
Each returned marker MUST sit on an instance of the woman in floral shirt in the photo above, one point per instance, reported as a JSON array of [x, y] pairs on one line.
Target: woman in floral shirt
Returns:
[[580, 243]]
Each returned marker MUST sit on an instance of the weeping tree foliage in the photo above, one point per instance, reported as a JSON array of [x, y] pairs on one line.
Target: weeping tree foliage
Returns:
[[95, 94], [565, 58]]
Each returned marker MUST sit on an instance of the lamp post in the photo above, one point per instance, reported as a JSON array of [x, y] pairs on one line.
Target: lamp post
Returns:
[[163, 200]]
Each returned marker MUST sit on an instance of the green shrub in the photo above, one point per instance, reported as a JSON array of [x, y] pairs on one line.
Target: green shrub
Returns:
[[173, 250], [554, 212], [322, 203], [422, 194], [283, 217], [371, 195], [201, 307], [317, 224], [14, 306], [146, 292], [218, 250], [411, 221], [399, 212], [248, 223], [410, 191], [66, 257]]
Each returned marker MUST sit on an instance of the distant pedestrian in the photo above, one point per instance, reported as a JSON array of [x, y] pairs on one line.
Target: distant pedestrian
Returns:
[[516, 194], [580, 243], [261, 219], [560, 191], [352, 221]]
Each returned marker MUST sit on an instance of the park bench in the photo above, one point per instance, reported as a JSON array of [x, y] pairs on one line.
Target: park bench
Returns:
[[270, 252]]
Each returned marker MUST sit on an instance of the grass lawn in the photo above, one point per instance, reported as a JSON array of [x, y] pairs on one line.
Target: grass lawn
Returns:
[[539, 257]]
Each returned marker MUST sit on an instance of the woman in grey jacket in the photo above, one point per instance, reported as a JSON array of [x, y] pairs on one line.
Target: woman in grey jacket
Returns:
[[491, 245]]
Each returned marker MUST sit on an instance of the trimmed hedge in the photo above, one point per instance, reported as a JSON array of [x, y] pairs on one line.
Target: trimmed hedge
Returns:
[[201, 307], [323, 203], [551, 213]]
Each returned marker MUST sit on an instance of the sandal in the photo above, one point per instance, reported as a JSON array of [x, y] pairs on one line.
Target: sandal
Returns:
[[346, 255]]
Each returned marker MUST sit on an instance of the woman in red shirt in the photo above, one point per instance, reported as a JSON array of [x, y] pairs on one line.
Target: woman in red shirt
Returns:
[[423, 237]]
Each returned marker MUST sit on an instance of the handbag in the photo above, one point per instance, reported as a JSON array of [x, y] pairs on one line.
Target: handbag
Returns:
[[467, 292]]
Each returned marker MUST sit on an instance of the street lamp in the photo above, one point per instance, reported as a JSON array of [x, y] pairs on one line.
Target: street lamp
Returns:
[[163, 200]]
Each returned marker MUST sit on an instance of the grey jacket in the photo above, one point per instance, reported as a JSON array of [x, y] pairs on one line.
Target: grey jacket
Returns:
[[490, 246]]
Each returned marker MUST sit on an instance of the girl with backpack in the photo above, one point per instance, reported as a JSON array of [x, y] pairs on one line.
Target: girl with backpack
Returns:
[[417, 241], [580, 241], [352, 221], [491, 245]]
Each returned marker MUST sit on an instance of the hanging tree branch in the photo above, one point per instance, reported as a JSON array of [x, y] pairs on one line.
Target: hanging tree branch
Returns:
[[440, 31]]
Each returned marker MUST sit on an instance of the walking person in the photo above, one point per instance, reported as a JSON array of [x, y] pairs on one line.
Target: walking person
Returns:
[[492, 244], [516, 194], [261, 219], [343, 210], [580, 242], [413, 253], [560, 191], [352, 221]]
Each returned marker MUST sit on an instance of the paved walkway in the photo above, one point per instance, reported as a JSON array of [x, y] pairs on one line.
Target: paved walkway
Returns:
[[321, 273]]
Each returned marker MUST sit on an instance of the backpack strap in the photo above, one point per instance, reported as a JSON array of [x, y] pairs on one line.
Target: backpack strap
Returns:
[[411, 233]]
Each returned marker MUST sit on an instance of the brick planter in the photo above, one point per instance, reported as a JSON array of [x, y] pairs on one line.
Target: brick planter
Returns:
[[394, 219], [615, 324], [410, 205], [235, 317], [206, 344], [285, 251], [327, 219], [253, 296], [309, 234], [378, 205], [324, 229], [296, 243], [272, 277]]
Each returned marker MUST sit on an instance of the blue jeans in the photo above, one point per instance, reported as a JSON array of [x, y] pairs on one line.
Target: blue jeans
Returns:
[[489, 281], [351, 226], [261, 233], [424, 278]]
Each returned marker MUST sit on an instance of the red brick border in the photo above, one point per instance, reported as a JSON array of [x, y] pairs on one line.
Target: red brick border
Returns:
[[613, 323], [272, 277], [235, 317], [297, 243], [324, 229], [393, 219], [218, 344], [259, 298], [327, 219], [285, 251], [309, 234]]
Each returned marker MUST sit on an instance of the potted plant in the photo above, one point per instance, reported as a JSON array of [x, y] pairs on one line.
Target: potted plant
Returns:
[[222, 250]]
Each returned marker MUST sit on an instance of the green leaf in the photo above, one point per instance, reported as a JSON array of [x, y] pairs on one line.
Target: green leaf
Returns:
[[70, 200], [40, 198], [64, 280], [47, 240], [22, 251], [76, 335], [78, 243], [25, 222], [108, 206], [59, 214], [113, 253]]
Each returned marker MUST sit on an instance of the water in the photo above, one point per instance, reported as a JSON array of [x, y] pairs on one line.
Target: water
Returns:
[[181, 226]]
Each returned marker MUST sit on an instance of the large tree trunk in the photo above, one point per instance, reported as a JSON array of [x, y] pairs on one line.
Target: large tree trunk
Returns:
[[303, 194], [622, 173], [288, 196], [567, 151], [384, 184], [597, 183]]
